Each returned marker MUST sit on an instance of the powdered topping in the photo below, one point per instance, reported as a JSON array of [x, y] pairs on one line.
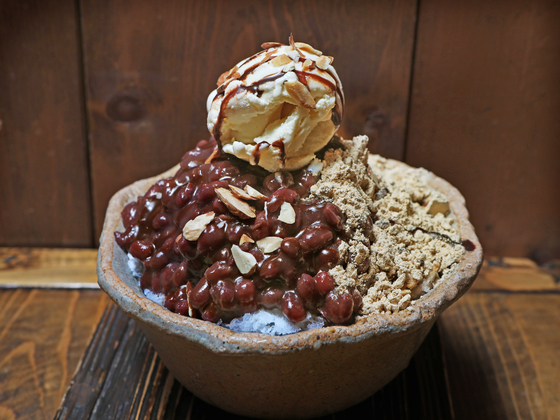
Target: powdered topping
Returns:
[[401, 235]]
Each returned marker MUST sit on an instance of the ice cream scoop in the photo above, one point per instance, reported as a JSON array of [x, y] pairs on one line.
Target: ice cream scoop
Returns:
[[278, 107]]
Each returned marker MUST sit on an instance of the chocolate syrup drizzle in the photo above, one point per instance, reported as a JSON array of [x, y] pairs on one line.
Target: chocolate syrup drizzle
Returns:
[[303, 77]]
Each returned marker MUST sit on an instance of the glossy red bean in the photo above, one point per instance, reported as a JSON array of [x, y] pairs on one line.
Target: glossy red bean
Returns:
[[315, 237], [291, 247], [333, 216], [338, 307], [271, 268], [184, 194], [141, 249], [146, 280], [270, 297], [307, 288], [325, 282], [161, 220], [245, 291], [220, 271], [211, 239], [261, 226], [223, 294], [210, 313], [200, 294], [156, 261], [180, 274], [326, 259], [293, 307], [130, 214]]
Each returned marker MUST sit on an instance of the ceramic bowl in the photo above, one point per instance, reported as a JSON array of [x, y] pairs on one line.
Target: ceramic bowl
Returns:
[[302, 375]]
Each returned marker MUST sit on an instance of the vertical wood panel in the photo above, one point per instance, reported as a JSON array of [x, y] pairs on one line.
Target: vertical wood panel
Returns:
[[485, 114], [44, 190], [150, 66]]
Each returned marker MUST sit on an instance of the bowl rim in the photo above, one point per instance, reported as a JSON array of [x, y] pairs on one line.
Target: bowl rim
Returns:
[[220, 339]]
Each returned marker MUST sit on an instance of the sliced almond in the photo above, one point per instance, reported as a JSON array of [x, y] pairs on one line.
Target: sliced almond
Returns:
[[269, 244], [215, 153], [308, 64], [280, 60], [221, 88], [245, 238], [194, 228], [239, 193], [254, 193], [323, 62], [287, 213], [294, 46], [244, 261], [267, 45], [189, 288], [222, 78], [307, 48], [300, 94], [236, 206], [232, 72]]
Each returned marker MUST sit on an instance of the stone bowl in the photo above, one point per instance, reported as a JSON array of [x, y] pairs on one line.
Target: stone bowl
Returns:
[[302, 375]]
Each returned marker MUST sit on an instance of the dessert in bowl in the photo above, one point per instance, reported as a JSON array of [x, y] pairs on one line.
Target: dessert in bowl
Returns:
[[276, 215]]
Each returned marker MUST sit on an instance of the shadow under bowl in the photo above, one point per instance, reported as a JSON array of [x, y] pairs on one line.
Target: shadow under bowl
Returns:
[[302, 375]]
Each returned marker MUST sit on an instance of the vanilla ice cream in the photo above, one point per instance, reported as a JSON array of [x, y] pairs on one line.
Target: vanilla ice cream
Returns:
[[278, 107]]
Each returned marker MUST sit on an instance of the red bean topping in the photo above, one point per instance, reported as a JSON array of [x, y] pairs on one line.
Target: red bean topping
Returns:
[[325, 282], [141, 249], [307, 288], [200, 294], [315, 237], [293, 307], [338, 307], [291, 247], [245, 291], [223, 294], [210, 313], [333, 216], [271, 297], [220, 271], [282, 278]]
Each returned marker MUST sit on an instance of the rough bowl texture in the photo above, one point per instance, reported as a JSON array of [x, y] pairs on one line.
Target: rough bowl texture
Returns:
[[302, 375]]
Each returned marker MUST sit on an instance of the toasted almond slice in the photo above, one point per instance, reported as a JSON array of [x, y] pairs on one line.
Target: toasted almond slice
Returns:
[[269, 244], [235, 75], [323, 62], [244, 261], [194, 228], [294, 46], [300, 94], [280, 60], [221, 88], [308, 48], [245, 238], [189, 288], [267, 45], [254, 193], [232, 72], [215, 153], [239, 208], [287, 213], [239, 193], [307, 64], [222, 78]]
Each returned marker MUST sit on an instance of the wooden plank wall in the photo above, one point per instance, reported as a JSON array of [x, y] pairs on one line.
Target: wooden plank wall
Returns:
[[468, 90]]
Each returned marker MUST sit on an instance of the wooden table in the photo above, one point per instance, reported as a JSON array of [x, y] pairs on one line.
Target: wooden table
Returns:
[[500, 343]]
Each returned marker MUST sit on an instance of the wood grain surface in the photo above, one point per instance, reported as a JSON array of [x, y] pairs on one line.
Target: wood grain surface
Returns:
[[500, 353], [121, 377], [43, 334], [48, 267], [149, 69], [44, 187], [484, 115]]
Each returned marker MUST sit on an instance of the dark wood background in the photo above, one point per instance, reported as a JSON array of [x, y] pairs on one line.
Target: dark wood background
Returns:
[[97, 94]]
